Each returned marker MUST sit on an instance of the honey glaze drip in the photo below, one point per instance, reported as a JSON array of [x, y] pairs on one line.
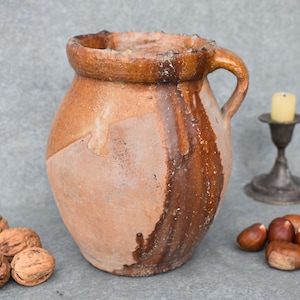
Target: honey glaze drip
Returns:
[[194, 184]]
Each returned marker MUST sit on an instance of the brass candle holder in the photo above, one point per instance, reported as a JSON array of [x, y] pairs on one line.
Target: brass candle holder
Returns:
[[279, 186]]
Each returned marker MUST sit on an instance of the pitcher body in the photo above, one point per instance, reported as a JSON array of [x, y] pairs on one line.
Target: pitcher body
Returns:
[[139, 152]]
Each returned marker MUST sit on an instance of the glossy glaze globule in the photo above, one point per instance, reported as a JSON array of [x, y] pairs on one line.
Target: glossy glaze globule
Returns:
[[139, 153]]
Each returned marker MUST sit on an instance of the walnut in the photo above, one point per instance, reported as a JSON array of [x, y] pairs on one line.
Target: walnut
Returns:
[[32, 266], [3, 223], [14, 240], [4, 270]]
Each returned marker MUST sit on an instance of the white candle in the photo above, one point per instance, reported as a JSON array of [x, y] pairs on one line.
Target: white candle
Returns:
[[283, 107]]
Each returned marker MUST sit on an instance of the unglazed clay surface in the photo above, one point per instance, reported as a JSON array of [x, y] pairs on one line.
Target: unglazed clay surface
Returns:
[[128, 206], [139, 152]]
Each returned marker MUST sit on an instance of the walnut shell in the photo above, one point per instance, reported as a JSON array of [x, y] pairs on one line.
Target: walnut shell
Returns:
[[32, 266], [4, 270], [3, 223], [14, 240]]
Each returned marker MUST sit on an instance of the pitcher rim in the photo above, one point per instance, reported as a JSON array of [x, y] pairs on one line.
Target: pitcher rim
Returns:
[[101, 56]]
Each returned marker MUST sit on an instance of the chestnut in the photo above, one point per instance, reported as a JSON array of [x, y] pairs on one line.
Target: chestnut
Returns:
[[253, 238], [281, 229], [297, 237], [283, 255], [294, 219]]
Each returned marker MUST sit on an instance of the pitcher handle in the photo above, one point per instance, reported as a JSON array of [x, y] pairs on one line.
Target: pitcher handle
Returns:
[[228, 60]]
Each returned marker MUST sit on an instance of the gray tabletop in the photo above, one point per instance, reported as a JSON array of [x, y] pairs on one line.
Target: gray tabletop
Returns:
[[34, 77]]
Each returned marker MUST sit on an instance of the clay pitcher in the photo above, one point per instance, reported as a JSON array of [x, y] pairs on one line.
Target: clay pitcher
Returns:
[[139, 152]]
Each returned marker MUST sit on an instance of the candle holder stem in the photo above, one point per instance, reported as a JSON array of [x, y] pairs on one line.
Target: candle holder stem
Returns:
[[279, 186]]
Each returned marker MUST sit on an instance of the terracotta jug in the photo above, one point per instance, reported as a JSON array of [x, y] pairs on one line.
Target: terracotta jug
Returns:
[[139, 152]]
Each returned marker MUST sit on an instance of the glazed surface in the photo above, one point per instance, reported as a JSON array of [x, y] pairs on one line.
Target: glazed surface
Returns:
[[139, 57]]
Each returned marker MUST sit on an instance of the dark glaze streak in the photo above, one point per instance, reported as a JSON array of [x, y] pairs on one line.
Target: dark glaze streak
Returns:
[[194, 183]]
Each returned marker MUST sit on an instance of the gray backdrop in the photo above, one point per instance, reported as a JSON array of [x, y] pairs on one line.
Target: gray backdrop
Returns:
[[34, 77]]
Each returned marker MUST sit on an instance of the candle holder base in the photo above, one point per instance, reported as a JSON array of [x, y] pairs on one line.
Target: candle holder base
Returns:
[[279, 186], [259, 190]]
